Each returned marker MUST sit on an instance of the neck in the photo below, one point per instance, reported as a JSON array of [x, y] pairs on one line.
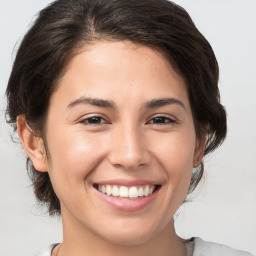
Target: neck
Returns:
[[80, 241]]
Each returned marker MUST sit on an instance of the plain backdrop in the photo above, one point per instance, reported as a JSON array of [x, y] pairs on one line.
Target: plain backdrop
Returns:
[[223, 208]]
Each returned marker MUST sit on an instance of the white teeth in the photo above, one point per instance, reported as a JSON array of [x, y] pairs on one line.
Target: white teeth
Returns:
[[133, 192], [108, 190], [146, 191], [141, 192], [123, 192], [115, 191], [126, 192]]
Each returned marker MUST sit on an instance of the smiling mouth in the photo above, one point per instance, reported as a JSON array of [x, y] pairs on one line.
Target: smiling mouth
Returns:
[[124, 192]]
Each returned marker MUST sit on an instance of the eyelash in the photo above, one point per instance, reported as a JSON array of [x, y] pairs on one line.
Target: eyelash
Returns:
[[157, 120], [163, 120], [95, 120]]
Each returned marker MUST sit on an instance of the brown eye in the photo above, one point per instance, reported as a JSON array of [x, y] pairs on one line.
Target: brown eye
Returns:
[[93, 120], [161, 120]]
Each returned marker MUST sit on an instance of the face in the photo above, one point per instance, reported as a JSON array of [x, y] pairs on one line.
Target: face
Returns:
[[121, 142]]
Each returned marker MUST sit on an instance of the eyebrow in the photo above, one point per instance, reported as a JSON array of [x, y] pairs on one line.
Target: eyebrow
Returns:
[[92, 101], [156, 103]]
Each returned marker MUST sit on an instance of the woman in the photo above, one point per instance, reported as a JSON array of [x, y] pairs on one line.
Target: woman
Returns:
[[115, 103]]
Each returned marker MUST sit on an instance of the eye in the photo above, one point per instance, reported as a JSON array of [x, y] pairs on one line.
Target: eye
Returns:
[[161, 120], [93, 120]]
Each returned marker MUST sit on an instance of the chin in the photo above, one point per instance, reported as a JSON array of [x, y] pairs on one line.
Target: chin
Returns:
[[131, 233], [128, 239]]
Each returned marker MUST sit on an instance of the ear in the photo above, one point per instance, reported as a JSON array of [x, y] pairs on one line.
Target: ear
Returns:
[[199, 150], [33, 144]]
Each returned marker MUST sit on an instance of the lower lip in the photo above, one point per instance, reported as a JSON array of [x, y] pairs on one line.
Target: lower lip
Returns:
[[128, 205]]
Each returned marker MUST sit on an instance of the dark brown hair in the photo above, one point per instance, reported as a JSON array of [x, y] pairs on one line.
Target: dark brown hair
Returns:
[[66, 25]]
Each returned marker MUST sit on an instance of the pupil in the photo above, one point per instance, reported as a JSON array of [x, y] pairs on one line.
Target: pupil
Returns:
[[94, 120], [159, 120]]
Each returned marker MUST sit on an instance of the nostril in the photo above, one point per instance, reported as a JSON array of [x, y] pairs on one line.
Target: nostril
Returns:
[[128, 149], [129, 161]]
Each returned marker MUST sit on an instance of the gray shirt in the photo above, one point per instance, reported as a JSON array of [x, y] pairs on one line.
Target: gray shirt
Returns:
[[196, 247]]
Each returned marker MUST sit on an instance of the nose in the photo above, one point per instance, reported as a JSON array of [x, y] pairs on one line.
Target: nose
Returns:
[[129, 149]]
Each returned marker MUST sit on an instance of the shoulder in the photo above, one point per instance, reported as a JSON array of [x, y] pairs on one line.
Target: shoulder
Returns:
[[47, 251], [204, 248]]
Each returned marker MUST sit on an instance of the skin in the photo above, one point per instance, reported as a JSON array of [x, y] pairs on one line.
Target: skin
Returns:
[[128, 141]]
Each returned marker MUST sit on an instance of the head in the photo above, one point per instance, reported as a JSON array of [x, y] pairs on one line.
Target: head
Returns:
[[66, 28]]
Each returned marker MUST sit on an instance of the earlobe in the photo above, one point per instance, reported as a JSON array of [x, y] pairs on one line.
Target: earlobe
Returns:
[[32, 144], [199, 151]]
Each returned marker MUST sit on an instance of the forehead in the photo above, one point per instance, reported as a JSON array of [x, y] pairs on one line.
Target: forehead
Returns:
[[104, 67]]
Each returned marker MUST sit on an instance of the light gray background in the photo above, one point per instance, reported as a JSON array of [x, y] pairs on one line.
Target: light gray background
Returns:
[[224, 207]]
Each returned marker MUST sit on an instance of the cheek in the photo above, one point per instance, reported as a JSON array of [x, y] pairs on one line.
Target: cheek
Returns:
[[175, 153], [176, 149], [73, 156]]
